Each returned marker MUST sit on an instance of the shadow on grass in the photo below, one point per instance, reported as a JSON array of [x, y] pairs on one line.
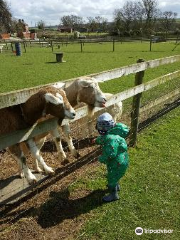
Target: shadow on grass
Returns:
[[60, 207]]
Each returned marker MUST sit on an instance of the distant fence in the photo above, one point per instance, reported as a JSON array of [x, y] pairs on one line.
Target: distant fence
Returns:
[[9, 44], [18, 97], [51, 43], [61, 41]]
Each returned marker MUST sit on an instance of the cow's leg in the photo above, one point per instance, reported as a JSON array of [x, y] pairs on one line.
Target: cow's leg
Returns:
[[25, 149], [68, 138], [36, 154], [21, 160], [57, 139]]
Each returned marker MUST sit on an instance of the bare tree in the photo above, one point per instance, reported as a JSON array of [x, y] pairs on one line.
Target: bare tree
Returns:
[[136, 16], [101, 23], [5, 17], [72, 21], [92, 24], [150, 12], [41, 25], [97, 23], [129, 18], [118, 21], [168, 20]]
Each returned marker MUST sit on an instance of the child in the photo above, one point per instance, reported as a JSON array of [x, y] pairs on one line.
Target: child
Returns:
[[114, 152]]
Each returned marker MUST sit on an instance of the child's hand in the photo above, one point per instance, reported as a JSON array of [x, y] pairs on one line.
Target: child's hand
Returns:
[[93, 140]]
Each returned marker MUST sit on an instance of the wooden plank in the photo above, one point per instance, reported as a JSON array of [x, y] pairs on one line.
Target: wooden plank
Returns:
[[22, 135], [18, 188], [141, 88], [18, 97], [160, 100], [134, 68], [162, 79]]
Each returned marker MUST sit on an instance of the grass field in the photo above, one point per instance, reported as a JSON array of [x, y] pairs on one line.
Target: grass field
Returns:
[[38, 65]]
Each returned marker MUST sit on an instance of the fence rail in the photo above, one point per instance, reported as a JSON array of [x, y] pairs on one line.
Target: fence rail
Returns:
[[14, 98]]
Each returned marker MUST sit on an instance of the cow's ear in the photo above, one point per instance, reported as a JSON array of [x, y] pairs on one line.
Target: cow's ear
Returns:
[[56, 100], [86, 84]]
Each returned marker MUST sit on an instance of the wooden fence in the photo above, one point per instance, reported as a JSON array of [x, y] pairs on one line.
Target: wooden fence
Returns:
[[18, 97], [9, 44]]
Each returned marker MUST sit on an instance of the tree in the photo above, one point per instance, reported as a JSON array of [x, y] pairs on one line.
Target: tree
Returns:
[[97, 23], [167, 20], [136, 17], [92, 24], [129, 17], [150, 13], [101, 23], [5, 17], [41, 25], [72, 21]]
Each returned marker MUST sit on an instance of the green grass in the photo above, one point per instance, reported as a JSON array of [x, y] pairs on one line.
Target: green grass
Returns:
[[38, 65], [150, 190]]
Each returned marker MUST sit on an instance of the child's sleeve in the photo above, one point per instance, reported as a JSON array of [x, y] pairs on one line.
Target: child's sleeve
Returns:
[[99, 140], [121, 129], [125, 130], [122, 145]]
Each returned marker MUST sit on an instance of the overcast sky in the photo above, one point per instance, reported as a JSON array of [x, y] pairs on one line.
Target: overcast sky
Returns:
[[51, 11]]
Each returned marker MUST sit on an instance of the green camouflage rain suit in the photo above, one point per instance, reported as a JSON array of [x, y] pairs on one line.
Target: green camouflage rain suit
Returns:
[[114, 152]]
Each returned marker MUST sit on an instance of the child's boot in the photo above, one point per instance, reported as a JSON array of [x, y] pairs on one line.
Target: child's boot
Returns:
[[113, 196], [118, 187]]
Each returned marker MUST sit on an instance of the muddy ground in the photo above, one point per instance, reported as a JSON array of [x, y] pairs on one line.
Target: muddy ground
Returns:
[[26, 219]]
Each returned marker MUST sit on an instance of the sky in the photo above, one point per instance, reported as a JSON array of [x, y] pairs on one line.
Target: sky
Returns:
[[51, 11]]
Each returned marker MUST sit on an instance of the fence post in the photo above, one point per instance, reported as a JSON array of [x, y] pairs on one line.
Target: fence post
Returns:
[[113, 44], [12, 47], [151, 37], [135, 108], [24, 46]]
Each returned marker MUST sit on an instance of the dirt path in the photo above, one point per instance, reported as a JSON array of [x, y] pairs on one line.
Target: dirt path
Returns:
[[28, 218]]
